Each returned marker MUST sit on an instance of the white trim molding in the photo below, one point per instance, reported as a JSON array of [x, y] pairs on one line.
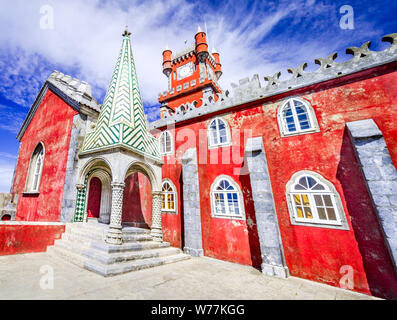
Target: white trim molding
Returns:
[[164, 147], [217, 144], [32, 186], [175, 194], [303, 123], [235, 190], [318, 198]]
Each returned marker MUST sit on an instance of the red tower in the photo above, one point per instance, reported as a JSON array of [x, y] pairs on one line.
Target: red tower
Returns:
[[192, 75]]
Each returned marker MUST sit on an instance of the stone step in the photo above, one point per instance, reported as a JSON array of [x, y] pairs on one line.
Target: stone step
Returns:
[[75, 247], [84, 236], [129, 246], [100, 227], [87, 234], [134, 265], [60, 252], [109, 258]]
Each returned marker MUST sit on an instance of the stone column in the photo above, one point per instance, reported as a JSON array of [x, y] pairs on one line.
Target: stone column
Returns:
[[380, 175], [191, 204], [115, 235], [273, 262], [80, 203], [156, 232]]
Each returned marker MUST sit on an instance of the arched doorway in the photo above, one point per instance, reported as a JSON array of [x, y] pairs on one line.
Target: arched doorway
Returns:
[[94, 198], [137, 201]]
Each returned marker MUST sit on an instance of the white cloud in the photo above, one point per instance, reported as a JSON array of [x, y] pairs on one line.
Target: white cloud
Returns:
[[6, 173], [87, 36]]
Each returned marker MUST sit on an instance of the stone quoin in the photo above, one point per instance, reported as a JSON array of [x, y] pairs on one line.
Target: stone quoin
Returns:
[[294, 177]]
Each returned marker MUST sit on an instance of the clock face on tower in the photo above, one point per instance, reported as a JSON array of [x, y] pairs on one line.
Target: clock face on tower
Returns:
[[184, 71]]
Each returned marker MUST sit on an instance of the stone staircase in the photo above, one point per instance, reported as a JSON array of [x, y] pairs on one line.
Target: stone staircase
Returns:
[[83, 244]]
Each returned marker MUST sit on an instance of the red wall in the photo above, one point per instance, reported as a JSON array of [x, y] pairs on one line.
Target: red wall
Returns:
[[311, 252], [52, 125], [16, 239]]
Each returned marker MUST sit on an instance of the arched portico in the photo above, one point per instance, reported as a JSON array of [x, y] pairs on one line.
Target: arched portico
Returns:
[[94, 168], [112, 169]]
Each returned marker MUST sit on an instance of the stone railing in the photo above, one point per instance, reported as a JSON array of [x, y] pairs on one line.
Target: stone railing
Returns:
[[251, 90]]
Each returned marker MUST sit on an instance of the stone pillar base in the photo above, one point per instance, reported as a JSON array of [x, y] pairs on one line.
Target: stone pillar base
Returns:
[[156, 234], [275, 271], [114, 235], [193, 252]]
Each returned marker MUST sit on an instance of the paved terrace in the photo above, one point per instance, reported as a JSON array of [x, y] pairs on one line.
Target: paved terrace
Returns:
[[196, 278]]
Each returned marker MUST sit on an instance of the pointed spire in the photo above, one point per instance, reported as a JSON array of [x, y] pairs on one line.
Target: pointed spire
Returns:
[[122, 119], [199, 29], [214, 50]]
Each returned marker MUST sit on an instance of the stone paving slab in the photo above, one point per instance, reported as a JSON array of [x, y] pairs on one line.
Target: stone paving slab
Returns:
[[197, 278]]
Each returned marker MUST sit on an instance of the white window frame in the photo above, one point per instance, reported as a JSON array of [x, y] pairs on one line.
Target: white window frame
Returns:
[[237, 190], [166, 132], [34, 171], [339, 223], [167, 210], [310, 113], [211, 142]]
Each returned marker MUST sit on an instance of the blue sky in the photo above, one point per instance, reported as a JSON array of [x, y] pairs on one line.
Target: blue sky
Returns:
[[257, 37]]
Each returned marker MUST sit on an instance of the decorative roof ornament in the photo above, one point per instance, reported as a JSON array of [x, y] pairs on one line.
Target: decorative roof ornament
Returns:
[[126, 32]]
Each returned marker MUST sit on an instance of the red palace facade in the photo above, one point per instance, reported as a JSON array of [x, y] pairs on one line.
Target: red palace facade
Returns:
[[295, 177]]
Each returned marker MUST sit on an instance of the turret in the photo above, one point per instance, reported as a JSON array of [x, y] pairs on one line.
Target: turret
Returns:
[[201, 45], [167, 68], [218, 68]]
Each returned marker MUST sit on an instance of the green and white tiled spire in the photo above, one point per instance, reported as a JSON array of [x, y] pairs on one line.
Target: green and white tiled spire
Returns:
[[122, 120]]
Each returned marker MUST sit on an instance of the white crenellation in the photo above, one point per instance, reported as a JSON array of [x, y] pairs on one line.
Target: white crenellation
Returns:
[[247, 91]]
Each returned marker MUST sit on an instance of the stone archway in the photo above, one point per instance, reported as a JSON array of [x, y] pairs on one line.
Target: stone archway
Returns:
[[97, 168], [154, 185]]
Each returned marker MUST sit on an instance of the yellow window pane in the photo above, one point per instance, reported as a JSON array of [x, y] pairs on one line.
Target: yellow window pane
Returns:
[[297, 199], [299, 211], [308, 213], [163, 201], [171, 205], [305, 200]]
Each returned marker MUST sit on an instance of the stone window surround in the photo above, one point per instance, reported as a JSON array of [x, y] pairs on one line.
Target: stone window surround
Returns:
[[228, 143], [240, 199], [28, 188], [310, 111], [339, 207], [175, 211], [172, 143]]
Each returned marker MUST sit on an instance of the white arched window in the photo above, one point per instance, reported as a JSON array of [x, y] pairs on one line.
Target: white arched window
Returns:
[[218, 133], [168, 197], [165, 143], [296, 116], [313, 200], [35, 169], [226, 199]]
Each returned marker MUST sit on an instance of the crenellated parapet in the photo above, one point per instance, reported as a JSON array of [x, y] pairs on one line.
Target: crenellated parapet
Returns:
[[76, 89], [251, 90]]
